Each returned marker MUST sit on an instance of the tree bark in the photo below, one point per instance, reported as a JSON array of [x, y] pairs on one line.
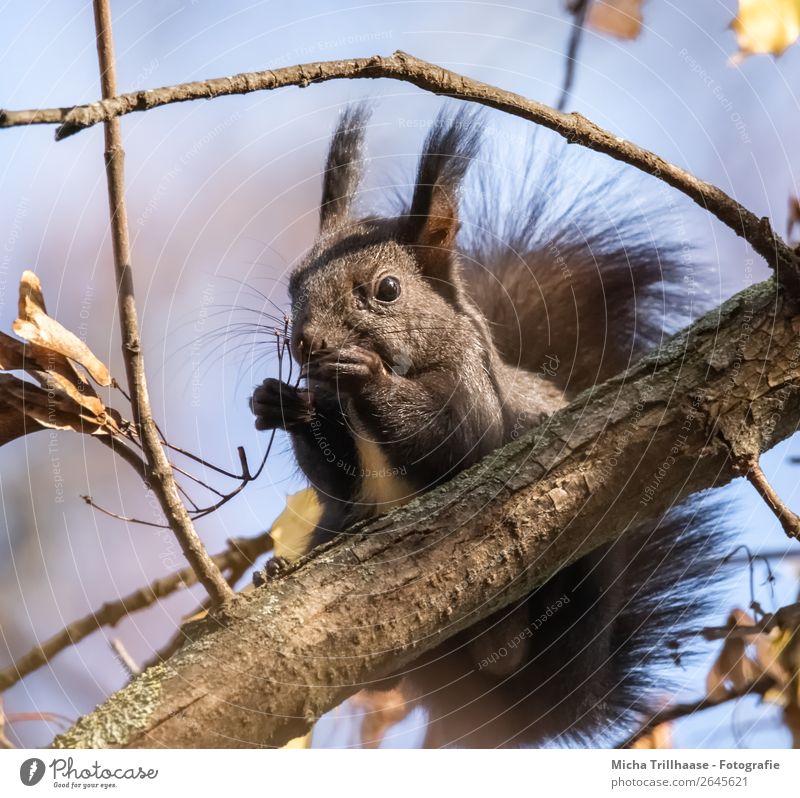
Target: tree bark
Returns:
[[372, 601]]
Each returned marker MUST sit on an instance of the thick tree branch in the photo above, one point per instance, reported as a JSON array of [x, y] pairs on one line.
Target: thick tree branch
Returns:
[[402, 66], [159, 474], [372, 602]]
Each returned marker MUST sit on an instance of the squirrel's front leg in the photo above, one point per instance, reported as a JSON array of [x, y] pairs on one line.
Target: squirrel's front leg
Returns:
[[277, 405]]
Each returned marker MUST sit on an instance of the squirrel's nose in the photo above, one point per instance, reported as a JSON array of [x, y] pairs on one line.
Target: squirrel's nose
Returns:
[[308, 344]]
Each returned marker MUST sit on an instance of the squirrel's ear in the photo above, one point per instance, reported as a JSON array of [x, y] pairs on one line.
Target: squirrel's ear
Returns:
[[344, 167], [432, 222]]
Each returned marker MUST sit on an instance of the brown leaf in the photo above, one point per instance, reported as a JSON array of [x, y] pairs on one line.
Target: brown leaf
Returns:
[[620, 18], [35, 326], [53, 409], [766, 26], [48, 368], [14, 424], [658, 738], [382, 710], [794, 216], [733, 670]]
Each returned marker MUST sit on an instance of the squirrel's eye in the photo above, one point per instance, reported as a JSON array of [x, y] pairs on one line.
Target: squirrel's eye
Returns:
[[388, 289]]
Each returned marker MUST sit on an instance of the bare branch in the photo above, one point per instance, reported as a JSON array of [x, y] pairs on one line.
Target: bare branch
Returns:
[[759, 687], [787, 617], [578, 9], [750, 469], [124, 657], [159, 473], [402, 66]]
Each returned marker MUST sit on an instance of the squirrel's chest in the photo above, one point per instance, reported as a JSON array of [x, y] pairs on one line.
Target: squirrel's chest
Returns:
[[381, 486]]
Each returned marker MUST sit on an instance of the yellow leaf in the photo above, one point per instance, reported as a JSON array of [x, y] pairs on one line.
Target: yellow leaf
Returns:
[[766, 26], [293, 527], [620, 18], [658, 738], [300, 742]]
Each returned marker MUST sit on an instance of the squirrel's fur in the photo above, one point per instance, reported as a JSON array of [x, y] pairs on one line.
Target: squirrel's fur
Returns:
[[484, 338]]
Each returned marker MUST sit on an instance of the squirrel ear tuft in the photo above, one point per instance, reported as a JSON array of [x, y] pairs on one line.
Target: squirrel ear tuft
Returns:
[[344, 166], [432, 222]]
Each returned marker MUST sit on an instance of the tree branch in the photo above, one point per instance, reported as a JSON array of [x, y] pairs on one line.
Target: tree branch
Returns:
[[373, 601], [750, 469], [759, 687], [402, 66], [159, 474], [237, 557]]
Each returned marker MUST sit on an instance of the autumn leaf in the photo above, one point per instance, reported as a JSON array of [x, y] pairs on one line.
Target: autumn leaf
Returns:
[[293, 527], [733, 670], [620, 18], [382, 710], [63, 398], [794, 216], [658, 738], [299, 742], [35, 326], [766, 26]]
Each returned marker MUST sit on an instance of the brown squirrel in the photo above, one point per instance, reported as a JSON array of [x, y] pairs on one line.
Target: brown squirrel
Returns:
[[421, 354]]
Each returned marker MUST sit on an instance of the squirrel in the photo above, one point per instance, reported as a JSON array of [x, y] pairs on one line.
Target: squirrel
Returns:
[[422, 352]]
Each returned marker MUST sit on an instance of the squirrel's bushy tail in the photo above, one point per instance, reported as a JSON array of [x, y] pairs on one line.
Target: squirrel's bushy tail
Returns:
[[601, 644], [591, 249]]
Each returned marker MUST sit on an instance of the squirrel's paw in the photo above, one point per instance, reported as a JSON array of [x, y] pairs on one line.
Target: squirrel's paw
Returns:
[[277, 405], [347, 369]]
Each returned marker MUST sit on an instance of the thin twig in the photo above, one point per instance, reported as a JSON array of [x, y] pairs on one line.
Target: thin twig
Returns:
[[786, 618], [160, 476], [118, 516], [759, 687], [4, 741], [750, 469], [240, 553], [125, 659], [402, 66], [578, 11]]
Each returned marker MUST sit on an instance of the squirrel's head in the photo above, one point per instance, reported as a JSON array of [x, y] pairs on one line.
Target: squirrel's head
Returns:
[[390, 285]]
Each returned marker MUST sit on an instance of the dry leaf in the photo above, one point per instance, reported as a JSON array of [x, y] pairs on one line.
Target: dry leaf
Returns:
[[14, 424], [64, 398], [791, 717], [293, 527], [733, 670], [382, 710], [53, 408], [36, 326], [299, 742], [766, 26], [620, 18], [658, 738], [794, 216]]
